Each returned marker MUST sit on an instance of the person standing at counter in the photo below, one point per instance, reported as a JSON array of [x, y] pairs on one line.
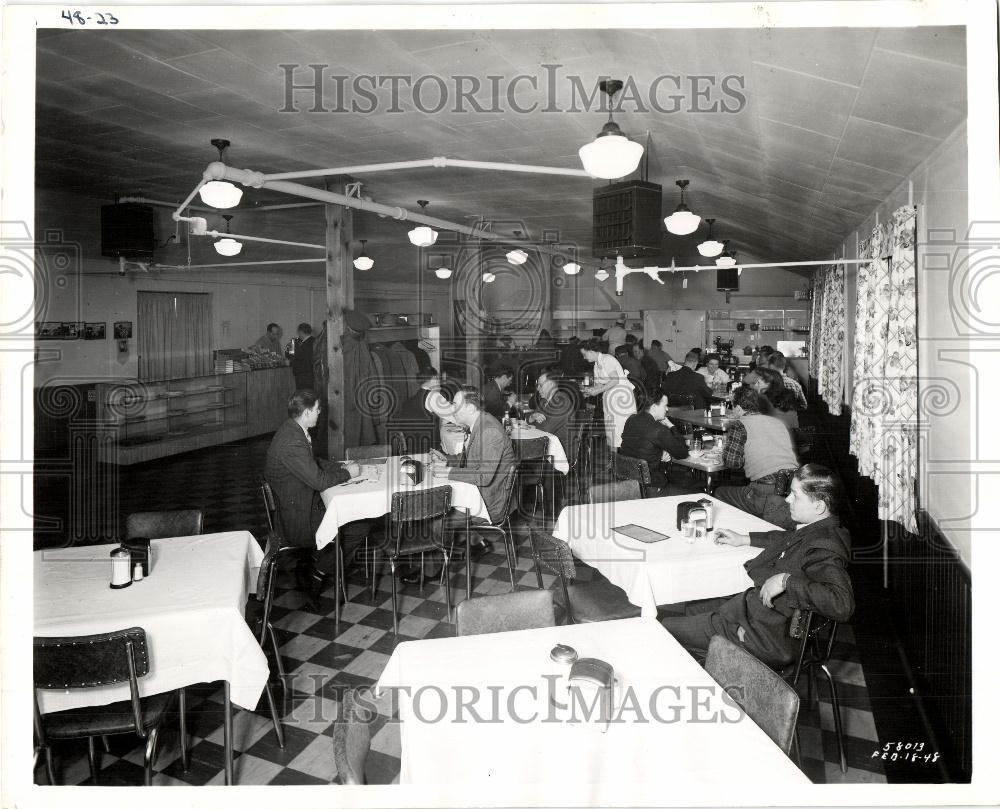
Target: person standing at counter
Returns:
[[271, 340], [302, 359], [610, 382], [615, 336]]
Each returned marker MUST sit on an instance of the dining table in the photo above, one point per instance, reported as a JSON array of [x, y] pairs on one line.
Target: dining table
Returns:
[[369, 496], [191, 606], [669, 569], [707, 462], [697, 418], [476, 713]]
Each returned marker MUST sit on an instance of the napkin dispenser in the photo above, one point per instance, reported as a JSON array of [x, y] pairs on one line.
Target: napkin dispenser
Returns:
[[412, 469], [684, 510], [593, 682], [141, 553]]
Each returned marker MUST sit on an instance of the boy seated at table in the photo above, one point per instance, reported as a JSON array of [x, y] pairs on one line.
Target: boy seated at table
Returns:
[[800, 569], [647, 435]]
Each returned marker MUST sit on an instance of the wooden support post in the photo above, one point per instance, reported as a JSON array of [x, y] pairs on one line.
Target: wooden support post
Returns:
[[339, 297]]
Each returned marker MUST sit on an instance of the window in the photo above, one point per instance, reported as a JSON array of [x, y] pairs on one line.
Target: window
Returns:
[[174, 331]]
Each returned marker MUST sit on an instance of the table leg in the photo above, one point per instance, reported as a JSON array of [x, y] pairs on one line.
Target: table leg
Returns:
[[468, 558], [227, 730], [337, 574]]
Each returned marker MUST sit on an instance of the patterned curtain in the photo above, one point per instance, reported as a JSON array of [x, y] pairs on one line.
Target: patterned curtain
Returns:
[[826, 350], [884, 404]]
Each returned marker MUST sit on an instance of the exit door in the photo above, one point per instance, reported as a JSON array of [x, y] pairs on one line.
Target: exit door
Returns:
[[679, 330]]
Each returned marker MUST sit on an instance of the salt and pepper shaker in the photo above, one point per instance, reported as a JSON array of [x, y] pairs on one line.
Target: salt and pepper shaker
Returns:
[[137, 572], [121, 568], [563, 657]]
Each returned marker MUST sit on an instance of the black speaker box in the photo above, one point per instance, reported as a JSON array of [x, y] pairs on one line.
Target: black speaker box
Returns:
[[127, 230], [727, 279]]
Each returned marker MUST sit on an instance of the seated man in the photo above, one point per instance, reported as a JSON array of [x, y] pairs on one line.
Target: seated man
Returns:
[[715, 377], [688, 383], [414, 421], [659, 356], [763, 447], [494, 401], [296, 480], [647, 435], [800, 569], [557, 403], [778, 362]]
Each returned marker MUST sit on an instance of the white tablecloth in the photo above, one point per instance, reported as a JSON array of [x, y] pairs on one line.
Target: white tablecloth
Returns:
[[373, 498], [665, 572], [676, 738], [555, 448], [191, 606]]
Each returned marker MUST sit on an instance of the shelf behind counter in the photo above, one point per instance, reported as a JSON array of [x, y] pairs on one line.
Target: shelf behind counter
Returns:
[[144, 421]]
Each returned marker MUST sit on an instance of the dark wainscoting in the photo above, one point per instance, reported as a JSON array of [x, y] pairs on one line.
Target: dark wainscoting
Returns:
[[930, 591], [928, 596]]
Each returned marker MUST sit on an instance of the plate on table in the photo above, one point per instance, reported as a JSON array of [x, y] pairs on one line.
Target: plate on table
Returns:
[[696, 453]]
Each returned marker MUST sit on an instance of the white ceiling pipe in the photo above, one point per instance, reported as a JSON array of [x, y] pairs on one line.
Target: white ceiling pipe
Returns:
[[653, 272], [284, 206], [230, 264], [433, 162], [239, 237], [162, 203]]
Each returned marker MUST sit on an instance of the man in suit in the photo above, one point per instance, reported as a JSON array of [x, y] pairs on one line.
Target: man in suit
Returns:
[[688, 382], [659, 356], [302, 359], [296, 480], [557, 404], [487, 457], [414, 421], [494, 399], [647, 435], [803, 569]]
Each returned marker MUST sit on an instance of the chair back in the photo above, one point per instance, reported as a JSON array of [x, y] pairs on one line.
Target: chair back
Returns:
[[523, 609], [681, 400], [552, 554], [578, 445], [531, 449], [767, 699], [626, 468], [163, 524], [397, 443], [88, 661], [352, 740], [370, 451], [615, 491], [818, 634], [510, 494], [421, 504], [270, 504]]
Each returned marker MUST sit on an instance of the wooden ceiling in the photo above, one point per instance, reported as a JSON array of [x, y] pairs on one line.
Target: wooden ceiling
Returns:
[[833, 121]]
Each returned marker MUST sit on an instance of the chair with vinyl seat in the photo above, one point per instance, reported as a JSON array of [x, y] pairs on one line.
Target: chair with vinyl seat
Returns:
[[352, 739], [163, 524], [582, 602], [818, 635], [416, 523], [615, 492], [463, 524], [89, 661], [532, 455], [763, 694], [506, 612], [578, 454], [625, 468], [368, 452]]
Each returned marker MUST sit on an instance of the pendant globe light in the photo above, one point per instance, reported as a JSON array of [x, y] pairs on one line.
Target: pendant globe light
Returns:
[[489, 277], [228, 246], [363, 262], [517, 256], [602, 274], [710, 247], [443, 273], [423, 236], [682, 222], [726, 259], [218, 193], [610, 155], [571, 267]]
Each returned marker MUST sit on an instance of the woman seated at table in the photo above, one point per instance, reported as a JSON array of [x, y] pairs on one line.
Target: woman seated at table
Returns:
[[804, 568], [781, 400], [648, 435], [296, 478], [762, 446]]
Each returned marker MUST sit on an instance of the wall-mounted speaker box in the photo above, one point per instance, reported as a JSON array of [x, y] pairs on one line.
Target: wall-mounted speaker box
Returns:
[[727, 279], [127, 230], [627, 220]]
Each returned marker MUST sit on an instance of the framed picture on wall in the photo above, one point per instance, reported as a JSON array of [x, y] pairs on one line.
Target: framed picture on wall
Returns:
[[123, 329], [95, 331], [59, 330]]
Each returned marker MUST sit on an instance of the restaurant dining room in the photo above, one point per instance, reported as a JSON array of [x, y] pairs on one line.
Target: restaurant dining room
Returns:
[[453, 406]]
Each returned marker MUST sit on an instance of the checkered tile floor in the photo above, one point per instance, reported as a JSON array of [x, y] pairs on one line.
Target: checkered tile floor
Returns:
[[320, 664]]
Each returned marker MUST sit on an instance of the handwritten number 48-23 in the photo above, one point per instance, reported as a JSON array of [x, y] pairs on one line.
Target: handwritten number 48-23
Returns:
[[107, 18]]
